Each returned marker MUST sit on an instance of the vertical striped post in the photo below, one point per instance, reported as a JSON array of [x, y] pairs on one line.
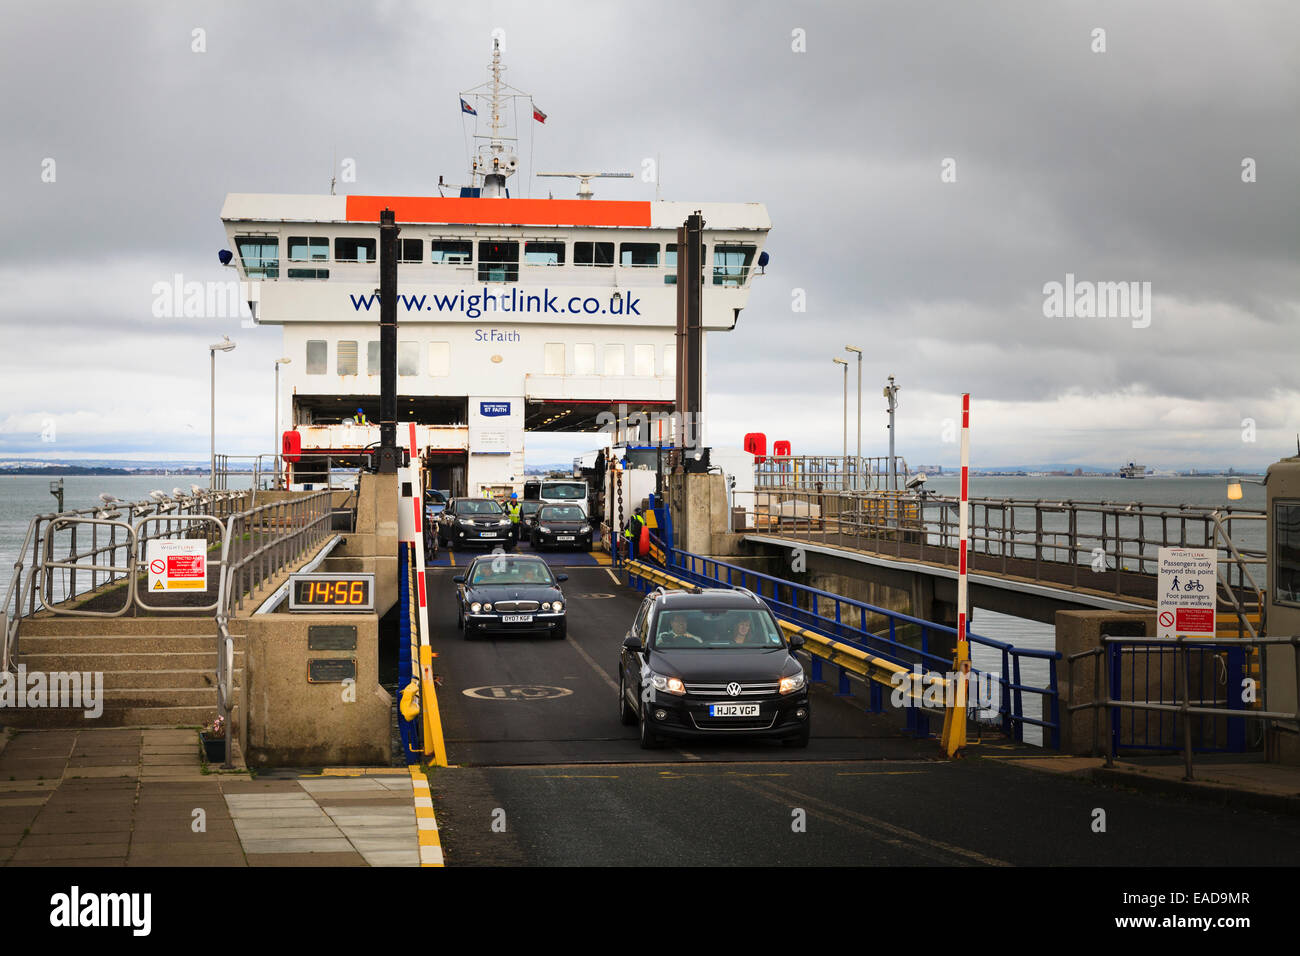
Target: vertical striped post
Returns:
[[434, 746], [954, 721]]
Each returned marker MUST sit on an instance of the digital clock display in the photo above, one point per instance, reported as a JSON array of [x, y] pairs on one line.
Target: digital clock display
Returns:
[[331, 592]]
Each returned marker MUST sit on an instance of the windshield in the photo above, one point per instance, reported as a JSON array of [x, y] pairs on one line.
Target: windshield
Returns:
[[528, 507], [435, 497], [718, 629], [503, 570], [475, 507], [572, 490], [561, 513]]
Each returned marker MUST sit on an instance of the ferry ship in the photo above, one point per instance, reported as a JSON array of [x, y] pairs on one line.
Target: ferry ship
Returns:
[[1133, 471], [514, 314]]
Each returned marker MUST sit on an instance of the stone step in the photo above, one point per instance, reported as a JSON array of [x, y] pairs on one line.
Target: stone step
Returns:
[[112, 643], [197, 678], [114, 715], [143, 661]]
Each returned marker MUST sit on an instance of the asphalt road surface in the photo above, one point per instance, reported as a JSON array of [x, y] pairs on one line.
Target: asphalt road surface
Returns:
[[543, 773]]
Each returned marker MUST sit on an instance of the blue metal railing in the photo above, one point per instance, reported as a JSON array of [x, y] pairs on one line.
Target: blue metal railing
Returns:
[[1147, 670], [894, 636]]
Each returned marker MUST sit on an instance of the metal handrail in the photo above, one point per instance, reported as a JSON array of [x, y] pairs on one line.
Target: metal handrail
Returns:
[[927, 525], [1105, 698], [14, 599], [308, 519]]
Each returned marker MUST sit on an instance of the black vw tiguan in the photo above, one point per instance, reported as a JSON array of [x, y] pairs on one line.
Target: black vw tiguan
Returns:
[[711, 663]]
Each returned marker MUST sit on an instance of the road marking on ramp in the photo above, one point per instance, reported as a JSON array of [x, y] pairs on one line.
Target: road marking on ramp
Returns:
[[880, 829], [613, 577], [591, 662], [517, 692]]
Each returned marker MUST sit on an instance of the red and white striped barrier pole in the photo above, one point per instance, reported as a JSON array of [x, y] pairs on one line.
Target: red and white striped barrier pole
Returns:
[[954, 722]]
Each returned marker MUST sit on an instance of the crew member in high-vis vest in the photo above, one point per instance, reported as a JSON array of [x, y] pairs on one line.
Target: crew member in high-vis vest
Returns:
[[514, 516], [633, 532]]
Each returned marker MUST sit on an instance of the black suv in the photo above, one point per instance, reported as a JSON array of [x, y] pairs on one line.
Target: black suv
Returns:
[[710, 662], [474, 521]]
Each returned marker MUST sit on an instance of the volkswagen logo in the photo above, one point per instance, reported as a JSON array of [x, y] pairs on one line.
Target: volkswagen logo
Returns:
[[733, 689]]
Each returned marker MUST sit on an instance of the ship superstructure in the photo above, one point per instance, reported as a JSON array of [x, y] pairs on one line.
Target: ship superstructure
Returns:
[[514, 315]]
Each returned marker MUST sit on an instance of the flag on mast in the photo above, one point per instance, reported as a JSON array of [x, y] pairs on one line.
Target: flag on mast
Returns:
[[538, 115], [466, 108]]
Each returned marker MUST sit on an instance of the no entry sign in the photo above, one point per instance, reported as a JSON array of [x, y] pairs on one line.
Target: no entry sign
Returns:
[[178, 565], [1186, 592]]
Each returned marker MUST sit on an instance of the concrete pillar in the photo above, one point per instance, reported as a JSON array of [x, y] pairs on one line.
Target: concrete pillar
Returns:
[[374, 542], [1078, 631]]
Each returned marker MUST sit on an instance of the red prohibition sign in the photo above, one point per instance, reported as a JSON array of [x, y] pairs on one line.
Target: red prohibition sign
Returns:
[[157, 566], [1166, 619]]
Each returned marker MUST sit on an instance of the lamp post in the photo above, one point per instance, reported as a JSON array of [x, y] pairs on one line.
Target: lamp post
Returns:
[[844, 453], [223, 346], [857, 463], [891, 393], [275, 435]]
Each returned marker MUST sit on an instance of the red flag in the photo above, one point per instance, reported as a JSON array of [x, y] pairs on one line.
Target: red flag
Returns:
[[539, 115]]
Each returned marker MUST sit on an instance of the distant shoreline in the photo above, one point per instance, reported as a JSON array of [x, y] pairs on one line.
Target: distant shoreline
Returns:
[[57, 471]]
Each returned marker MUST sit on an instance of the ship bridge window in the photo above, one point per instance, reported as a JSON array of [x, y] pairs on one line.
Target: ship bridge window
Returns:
[[670, 261], [553, 357], [410, 250], [614, 359], [451, 251], [260, 256], [354, 250], [440, 358], [318, 356], [639, 255], [347, 357], [309, 248], [498, 261], [593, 253], [584, 359], [731, 264], [544, 253], [372, 358]]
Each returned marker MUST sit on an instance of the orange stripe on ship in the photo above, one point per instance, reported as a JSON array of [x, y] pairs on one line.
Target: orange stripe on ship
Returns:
[[523, 212]]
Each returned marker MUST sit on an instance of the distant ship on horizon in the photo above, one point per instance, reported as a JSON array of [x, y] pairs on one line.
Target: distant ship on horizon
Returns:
[[1133, 471]]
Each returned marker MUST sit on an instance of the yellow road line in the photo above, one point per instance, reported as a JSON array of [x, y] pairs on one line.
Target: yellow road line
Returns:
[[600, 557]]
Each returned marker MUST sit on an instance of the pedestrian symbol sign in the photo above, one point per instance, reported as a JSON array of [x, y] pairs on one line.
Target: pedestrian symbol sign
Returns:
[[1186, 592]]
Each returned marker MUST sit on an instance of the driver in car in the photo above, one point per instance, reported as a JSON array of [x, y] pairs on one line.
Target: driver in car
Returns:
[[679, 635]]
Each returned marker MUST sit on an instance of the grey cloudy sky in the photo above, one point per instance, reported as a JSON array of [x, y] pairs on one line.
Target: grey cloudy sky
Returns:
[[1117, 166]]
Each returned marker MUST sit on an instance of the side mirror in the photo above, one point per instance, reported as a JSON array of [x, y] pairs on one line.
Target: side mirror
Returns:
[[797, 641], [561, 577], [632, 642], [459, 579]]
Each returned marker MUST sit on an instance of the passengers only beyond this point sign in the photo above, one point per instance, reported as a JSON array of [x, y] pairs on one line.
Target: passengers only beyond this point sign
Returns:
[[1186, 592]]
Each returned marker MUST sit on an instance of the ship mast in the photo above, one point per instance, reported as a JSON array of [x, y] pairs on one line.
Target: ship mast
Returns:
[[496, 160]]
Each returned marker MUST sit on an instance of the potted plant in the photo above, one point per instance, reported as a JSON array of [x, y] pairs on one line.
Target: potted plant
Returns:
[[214, 740]]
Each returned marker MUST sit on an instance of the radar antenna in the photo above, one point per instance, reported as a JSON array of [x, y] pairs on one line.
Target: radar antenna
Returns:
[[584, 180]]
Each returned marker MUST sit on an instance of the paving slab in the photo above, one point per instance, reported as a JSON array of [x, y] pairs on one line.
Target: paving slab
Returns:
[[350, 858], [296, 845]]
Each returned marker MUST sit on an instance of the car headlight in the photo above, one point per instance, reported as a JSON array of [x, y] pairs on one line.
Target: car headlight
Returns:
[[543, 529], [672, 685], [546, 605], [584, 529], [487, 607], [557, 607], [475, 607], [503, 521], [791, 684]]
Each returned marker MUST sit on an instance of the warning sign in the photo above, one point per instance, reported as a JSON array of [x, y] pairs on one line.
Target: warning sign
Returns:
[[1186, 592], [178, 565]]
